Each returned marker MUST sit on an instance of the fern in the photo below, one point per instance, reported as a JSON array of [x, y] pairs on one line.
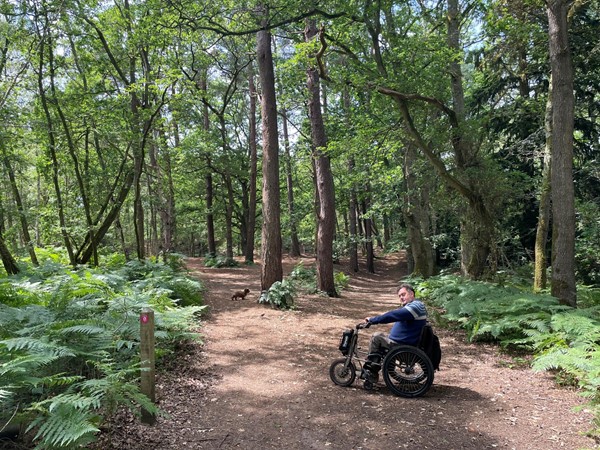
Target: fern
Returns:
[[36, 345], [220, 261], [66, 426], [304, 278], [562, 339], [68, 342], [25, 364], [87, 329]]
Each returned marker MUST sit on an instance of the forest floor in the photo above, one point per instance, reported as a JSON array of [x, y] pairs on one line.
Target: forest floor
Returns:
[[261, 381]]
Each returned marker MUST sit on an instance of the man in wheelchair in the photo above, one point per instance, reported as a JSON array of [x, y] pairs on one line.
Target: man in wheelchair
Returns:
[[408, 322]]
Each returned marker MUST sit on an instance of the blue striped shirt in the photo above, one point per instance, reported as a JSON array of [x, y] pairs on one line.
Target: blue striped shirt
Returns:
[[408, 322]]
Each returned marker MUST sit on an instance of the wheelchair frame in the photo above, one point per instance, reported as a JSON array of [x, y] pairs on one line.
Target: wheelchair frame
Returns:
[[407, 370]]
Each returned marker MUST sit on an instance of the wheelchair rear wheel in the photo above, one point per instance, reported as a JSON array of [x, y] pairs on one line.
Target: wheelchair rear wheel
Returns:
[[408, 371], [341, 374]]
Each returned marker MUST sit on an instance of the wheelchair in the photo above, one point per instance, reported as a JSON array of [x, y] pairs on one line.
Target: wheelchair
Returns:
[[407, 370]]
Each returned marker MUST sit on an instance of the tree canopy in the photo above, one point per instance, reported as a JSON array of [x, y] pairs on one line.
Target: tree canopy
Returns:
[[133, 126]]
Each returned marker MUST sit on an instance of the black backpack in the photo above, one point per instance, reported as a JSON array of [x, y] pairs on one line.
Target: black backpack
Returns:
[[430, 344]]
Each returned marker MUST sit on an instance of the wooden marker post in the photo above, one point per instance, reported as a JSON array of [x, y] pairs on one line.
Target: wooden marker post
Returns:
[[147, 361]]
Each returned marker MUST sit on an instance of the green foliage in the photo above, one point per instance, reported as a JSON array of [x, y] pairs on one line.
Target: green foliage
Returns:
[[588, 296], [280, 295], [220, 261], [341, 281], [305, 279], [490, 312], [67, 425], [69, 345], [562, 339], [587, 243], [175, 261]]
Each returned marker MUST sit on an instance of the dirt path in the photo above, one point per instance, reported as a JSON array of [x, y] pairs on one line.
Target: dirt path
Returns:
[[261, 382]]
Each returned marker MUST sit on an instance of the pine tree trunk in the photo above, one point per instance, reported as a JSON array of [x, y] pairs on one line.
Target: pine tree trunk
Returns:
[[271, 248], [252, 138], [324, 179], [563, 191], [295, 242]]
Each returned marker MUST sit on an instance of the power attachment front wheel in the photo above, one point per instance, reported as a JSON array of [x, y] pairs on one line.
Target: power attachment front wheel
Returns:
[[341, 373]]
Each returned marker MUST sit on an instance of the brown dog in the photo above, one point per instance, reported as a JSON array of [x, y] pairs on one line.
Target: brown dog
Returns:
[[240, 294]]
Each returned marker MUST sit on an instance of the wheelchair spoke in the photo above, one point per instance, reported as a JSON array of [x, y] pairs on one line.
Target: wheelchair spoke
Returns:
[[408, 372]]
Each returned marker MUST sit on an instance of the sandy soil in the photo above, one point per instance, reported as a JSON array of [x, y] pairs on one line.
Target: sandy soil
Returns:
[[261, 381]]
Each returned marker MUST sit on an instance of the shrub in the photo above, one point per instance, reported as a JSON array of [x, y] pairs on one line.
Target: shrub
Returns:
[[280, 295], [219, 261], [341, 281], [305, 278]]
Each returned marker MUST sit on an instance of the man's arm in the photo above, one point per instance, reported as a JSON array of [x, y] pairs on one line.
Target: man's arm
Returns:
[[395, 315]]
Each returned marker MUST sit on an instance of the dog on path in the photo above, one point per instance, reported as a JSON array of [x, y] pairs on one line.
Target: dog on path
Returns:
[[240, 294]]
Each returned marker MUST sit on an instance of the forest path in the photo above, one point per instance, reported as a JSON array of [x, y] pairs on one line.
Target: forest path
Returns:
[[261, 381]]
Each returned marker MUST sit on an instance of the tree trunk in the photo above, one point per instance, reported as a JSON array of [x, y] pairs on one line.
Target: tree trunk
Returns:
[[86, 250], [387, 233], [52, 152], [477, 223], [324, 179], [20, 206], [73, 153], [352, 204], [9, 263], [563, 192], [208, 182], [167, 210], [121, 238], [295, 242], [352, 207], [295, 249], [210, 218], [252, 138], [368, 237], [139, 131], [228, 217], [476, 232], [271, 252], [416, 214], [138, 208], [155, 195], [543, 225]]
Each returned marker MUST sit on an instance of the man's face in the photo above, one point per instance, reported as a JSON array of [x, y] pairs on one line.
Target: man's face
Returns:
[[406, 296]]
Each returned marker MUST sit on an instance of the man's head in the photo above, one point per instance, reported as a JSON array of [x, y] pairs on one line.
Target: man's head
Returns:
[[406, 293]]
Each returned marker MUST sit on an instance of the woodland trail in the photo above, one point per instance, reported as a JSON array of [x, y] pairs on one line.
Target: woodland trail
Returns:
[[261, 381]]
